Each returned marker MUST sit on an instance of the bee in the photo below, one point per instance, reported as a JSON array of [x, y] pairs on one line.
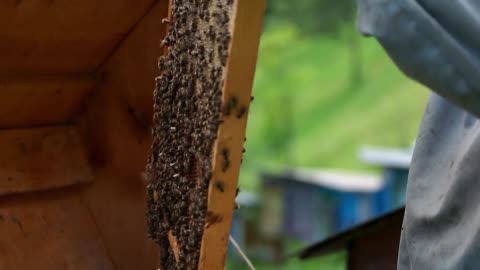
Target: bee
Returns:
[[232, 103], [226, 160], [220, 186], [193, 26], [166, 41], [241, 111]]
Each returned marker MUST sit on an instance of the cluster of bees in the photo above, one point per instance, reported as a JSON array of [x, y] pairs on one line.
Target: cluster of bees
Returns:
[[187, 114]]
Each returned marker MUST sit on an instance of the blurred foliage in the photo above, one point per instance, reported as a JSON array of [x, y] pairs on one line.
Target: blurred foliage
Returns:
[[322, 91], [321, 17], [335, 261], [312, 16], [308, 113]]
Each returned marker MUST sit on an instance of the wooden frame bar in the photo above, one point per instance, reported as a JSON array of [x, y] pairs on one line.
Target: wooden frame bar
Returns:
[[246, 28]]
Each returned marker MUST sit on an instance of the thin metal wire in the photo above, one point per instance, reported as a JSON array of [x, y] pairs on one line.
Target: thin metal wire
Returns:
[[242, 254]]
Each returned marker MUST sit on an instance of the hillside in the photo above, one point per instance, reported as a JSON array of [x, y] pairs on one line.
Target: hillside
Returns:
[[307, 112]]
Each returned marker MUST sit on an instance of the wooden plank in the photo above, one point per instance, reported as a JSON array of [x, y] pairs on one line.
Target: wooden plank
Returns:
[[117, 128], [50, 231], [63, 36], [117, 203], [40, 101], [247, 25], [376, 248], [134, 66], [118, 119], [41, 159]]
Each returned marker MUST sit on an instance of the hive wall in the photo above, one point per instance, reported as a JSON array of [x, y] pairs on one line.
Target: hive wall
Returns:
[[76, 84]]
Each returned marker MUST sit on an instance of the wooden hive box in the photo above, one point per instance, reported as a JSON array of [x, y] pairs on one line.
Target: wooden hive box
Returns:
[[76, 84], [76, 106]]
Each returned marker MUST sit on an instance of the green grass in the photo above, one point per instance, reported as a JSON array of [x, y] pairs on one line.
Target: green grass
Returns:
[[306, 112], [330, 262], [303, 92], [334, 261]]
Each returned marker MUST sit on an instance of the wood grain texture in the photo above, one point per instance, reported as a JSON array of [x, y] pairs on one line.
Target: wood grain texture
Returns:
[[63, 36], [117, 203], [117, 122], [41, 159], [49, 231], [48, 220], [116, 126], [41, 101], [246, 29]]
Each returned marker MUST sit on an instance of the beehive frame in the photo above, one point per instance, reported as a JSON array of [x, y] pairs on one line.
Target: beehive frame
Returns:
[[246, 29], [238, 71]]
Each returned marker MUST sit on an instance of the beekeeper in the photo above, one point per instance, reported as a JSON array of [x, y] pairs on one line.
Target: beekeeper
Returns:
[[437, 43]]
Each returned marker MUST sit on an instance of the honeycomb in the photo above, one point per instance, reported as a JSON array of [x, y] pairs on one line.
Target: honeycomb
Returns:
[[187, 115]]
